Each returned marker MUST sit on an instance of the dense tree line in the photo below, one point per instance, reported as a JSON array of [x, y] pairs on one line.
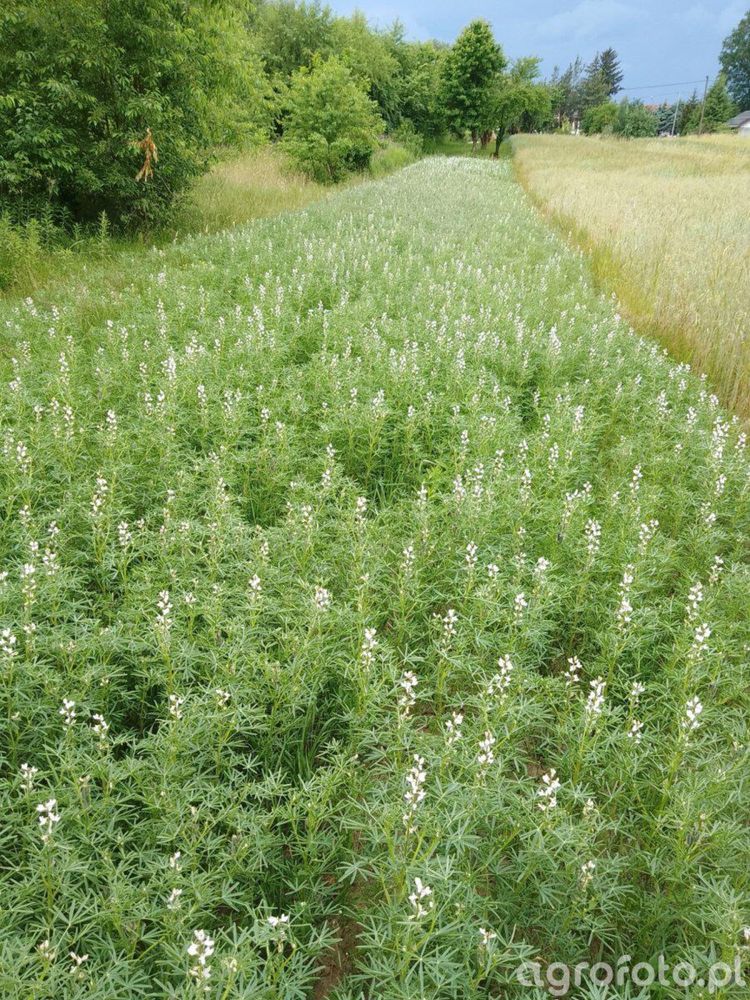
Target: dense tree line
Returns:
[[115, 105]]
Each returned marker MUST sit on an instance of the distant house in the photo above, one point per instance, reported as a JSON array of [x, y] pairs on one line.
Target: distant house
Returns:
[[741, 123]]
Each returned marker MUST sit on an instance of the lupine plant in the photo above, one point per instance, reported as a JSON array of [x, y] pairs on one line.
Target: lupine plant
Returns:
[[373, 617]]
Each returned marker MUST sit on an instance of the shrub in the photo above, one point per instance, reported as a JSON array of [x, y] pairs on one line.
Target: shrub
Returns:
[[600, 118], [634, 121], [82, 80], [331, 126]]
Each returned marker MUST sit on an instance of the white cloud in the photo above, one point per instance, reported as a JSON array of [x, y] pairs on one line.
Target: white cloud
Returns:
[[588, 18]]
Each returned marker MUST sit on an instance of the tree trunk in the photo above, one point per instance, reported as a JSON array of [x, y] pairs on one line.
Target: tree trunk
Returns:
[[499, 136]]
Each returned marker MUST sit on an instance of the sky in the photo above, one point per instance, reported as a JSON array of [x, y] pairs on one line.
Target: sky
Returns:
[[658, 41]]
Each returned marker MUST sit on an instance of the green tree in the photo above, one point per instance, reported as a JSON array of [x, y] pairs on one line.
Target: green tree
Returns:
[[520, 103], [422, 101], [609, 66], [594, 87], [82, 80], [634, 121], [332, 125], [735, 63], [600, 118], [719, 107], [470, 73], [290, 33], [688, 115], [368, 54]]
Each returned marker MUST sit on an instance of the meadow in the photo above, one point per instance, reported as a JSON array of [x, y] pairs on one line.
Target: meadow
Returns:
[[664, 226], [373, 616]]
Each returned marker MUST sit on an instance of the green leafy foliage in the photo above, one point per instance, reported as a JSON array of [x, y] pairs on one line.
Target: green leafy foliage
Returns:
[[291, 505], [82, 80], [600, 118], [735, 62], [518, 102], [332, 126], [469, 76], [634, 121]]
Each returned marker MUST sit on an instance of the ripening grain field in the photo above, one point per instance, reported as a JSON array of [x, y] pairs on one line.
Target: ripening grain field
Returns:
[[373, 617], [667, 226]]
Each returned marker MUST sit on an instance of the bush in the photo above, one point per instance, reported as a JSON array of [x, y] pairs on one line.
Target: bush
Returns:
[[82, 80], [332, 126], [600, 118], [634, 121]]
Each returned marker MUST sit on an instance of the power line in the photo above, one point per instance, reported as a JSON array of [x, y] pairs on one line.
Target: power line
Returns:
[[661, 86]]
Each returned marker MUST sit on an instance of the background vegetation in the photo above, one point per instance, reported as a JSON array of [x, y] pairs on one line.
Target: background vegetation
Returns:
[[660, 221], [373, 616]]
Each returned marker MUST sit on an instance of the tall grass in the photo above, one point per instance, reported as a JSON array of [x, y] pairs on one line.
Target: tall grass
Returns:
[[373, 617], [666, 228], [242, 187]]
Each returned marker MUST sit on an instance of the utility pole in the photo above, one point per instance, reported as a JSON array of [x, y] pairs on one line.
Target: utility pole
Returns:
[[676, 112], [703, 107]]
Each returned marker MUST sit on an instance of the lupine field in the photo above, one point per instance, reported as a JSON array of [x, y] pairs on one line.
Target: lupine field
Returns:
[[373, 617]]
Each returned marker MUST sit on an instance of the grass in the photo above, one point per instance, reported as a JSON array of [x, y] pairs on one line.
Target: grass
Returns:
[[664, 226], [245, 187], [238, 189], [331, 544]]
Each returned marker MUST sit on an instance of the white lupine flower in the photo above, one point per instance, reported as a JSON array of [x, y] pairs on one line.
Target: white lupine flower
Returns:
[[645, 533], [100, 726], [68, 711], [635, 733], [8, 643], [408, 560], [164, 612], [369, 645], [255, 588], [76, 963], [100, 495], [175, 706], [547, 793], [453, 728], [48, 817], [471, 556], [415, 793], [486, 755], [500, 682], [700, 641], [625, 610], [695, 599], [486, 937], [174, 861], [635, 482], [593, 535], [716, 570], [360, 511], [322, 599], [279, 928], [222, 697], [519, 606], [124, 534], [587, 873], [201, 949], [595, 701], [693, 710], [493, 570], [421, 900], [173, 900], [28, 774], [407, 698], [573, 673], [636, 690], [449, 624], [46, 952]]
